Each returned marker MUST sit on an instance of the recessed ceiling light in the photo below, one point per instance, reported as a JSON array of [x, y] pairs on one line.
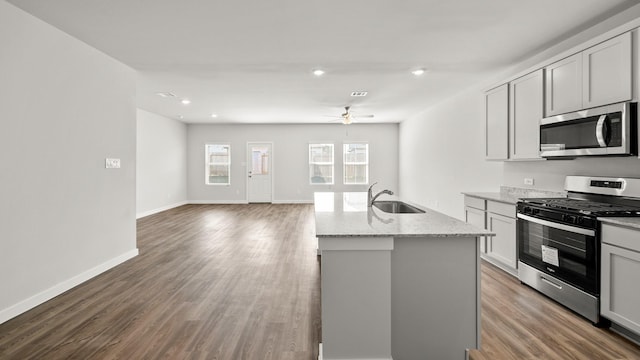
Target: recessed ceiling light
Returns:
[[185, 101], [318, 72], [359, 93], [418, 72], [165, 94], [214, 115]]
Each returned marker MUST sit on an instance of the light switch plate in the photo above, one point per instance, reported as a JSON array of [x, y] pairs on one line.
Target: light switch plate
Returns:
[[528, 181], [112, 163]]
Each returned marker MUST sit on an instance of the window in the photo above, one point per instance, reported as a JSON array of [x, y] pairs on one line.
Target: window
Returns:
[[218, 158], [321, 163], [356, 164]]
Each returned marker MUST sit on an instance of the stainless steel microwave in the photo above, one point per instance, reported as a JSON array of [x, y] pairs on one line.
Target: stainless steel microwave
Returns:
[[605, 130]]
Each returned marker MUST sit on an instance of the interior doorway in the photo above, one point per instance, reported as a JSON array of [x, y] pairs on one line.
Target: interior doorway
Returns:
[[260, 172]]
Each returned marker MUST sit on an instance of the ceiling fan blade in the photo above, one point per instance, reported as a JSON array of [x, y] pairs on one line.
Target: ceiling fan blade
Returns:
[[362, 116]]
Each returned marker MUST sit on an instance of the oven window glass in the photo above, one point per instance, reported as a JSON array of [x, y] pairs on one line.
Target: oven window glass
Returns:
[[569, 256]]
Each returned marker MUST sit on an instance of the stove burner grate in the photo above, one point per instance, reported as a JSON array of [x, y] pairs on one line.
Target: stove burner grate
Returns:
[[587, 207]]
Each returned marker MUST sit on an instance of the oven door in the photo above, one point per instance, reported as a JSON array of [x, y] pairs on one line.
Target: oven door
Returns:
[[566, 252]]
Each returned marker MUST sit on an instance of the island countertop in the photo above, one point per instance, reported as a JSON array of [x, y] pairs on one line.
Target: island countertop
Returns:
[[345, 214]]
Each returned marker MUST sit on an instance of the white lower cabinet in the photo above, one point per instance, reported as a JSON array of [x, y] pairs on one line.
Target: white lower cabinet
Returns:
[[502, 248], [620, 289], [500, 218], [476, 217]]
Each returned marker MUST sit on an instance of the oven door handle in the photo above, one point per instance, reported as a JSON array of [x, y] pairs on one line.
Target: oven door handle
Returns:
[[555, 225]]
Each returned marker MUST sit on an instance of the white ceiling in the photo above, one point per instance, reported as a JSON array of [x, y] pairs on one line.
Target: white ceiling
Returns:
[[250, 61]]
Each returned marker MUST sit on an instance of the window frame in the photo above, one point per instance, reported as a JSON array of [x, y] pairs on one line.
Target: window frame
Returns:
[[332, 163], [345, 162], [208, 163]]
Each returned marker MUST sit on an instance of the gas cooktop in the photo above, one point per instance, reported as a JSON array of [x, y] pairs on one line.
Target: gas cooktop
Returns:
[[585, 206]]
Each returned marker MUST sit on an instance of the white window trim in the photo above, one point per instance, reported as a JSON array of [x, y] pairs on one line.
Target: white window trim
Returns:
[[345, 163], [332, 163], [207, 163]]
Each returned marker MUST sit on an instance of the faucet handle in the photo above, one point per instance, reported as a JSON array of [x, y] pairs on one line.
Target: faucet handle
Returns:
[[371, 187]]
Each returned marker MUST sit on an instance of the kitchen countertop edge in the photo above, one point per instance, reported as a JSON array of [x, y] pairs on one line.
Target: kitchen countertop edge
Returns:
[[493, 196], [630, 222]]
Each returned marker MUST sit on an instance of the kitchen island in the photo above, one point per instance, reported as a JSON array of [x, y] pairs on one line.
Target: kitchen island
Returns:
[[396, 286]]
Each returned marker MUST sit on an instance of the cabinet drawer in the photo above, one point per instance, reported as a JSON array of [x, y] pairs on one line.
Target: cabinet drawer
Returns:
[[501, 208], [621, 236], [474, 202]]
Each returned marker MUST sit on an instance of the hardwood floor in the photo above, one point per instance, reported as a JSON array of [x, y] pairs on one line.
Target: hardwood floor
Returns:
[[243, 282], [520, 323], [211, 282]]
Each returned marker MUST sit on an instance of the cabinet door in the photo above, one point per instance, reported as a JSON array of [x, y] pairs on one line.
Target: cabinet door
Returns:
[[476, 217], [526, 108], [620, 291], [497, 123], [563, 87], [502, 246], [606, 72]]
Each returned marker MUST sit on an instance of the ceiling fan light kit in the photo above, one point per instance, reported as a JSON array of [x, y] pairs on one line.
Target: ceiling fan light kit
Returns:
[[348, 117]]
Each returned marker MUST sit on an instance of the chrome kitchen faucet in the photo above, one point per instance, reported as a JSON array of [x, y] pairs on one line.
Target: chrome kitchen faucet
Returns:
[[371, 198]]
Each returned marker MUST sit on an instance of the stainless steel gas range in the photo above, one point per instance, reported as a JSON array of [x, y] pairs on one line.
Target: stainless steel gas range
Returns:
[[559, 240]]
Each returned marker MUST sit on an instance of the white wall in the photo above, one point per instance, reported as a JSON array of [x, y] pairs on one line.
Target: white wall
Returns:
[[65, 107], [290, 158], [161, 168], [442, 154], [549, 175]]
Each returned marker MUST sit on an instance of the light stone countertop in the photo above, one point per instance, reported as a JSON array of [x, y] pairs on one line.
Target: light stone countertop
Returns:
[[632, 222], [347, 215], [511, 195], [494, 196]]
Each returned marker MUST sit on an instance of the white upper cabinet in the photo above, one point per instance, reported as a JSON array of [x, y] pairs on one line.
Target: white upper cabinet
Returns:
[[497, 123], [525, 112], [564, 85], [606, 72], [599, 75]]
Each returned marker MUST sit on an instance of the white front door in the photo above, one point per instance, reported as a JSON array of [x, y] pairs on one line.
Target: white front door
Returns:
[[260, 170]]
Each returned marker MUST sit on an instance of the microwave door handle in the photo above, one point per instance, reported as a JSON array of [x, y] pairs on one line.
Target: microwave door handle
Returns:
[[600, 131]]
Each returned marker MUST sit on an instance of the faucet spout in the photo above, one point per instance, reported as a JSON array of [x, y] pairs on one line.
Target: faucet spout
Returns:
[[371, 198]]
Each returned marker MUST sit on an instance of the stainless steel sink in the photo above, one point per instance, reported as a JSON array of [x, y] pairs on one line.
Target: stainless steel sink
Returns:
[[397, 207]]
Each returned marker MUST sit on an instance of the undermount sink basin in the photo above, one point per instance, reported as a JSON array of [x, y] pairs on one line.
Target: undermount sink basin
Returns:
[[396, 207]]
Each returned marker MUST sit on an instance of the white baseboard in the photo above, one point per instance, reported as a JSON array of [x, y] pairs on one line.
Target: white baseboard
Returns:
[[292, 202], [35, 300], [217, 202], [320, 356], [160, 209]]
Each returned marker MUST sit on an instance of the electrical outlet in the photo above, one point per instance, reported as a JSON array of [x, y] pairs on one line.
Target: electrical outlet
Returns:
[[528, 181], [112, 163]]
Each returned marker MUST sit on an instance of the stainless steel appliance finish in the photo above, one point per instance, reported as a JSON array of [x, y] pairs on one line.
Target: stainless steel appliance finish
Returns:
[[577, 300], [559, 240], [606, 130], [603, 185]]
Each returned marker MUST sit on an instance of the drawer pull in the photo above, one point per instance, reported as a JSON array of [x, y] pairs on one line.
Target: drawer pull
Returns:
[[551, 283]]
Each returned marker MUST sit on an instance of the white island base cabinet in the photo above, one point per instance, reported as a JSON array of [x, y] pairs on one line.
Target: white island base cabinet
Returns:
[[405, 298]]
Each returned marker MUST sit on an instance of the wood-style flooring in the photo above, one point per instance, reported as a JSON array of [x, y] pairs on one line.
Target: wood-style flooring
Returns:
[[243, 282], [520, 323], [211, 282]]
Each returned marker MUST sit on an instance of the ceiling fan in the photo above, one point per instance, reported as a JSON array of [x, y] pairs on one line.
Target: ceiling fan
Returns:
[[348, 117]]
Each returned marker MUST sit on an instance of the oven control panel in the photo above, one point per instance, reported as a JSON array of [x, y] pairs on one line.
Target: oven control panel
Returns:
[[557, 215]]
